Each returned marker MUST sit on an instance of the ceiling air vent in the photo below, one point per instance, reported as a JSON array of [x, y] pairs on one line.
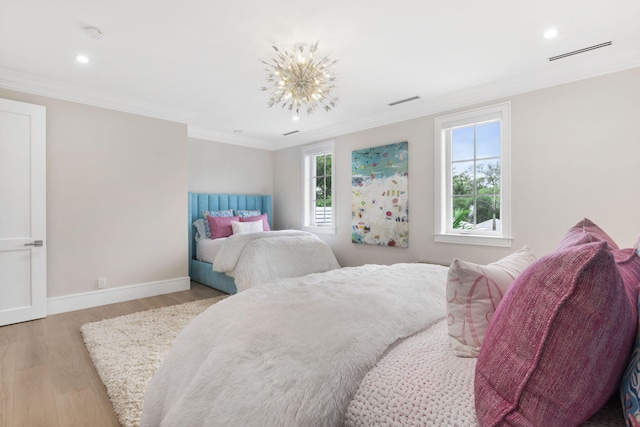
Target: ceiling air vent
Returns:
[[586, 49], [290, 133], [413, 98]]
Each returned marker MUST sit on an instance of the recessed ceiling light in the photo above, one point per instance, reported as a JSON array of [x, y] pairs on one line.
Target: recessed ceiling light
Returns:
[[83, 59], [93, 32], [550, 33], [296, 118]]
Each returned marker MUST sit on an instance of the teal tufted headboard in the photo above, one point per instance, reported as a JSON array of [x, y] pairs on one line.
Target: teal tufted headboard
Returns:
[[199, 202]]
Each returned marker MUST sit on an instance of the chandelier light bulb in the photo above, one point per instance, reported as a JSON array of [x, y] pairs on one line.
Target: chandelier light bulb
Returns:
[[297, 80]]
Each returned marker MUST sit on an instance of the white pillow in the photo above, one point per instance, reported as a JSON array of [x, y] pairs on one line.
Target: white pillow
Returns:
[[473, 293], [246, 227], [201, 232]]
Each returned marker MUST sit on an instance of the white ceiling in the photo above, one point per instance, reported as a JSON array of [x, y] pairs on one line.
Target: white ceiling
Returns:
[[197, 61]]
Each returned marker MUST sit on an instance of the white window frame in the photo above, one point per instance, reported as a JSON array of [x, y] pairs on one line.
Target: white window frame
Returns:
[[308, 190], [443, 203]]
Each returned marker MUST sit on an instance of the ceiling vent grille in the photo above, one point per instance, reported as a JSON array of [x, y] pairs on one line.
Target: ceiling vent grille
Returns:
[[586, 49], [290, 133], [402, 101]]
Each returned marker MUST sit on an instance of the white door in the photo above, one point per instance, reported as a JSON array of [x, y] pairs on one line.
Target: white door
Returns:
[[23, 256]]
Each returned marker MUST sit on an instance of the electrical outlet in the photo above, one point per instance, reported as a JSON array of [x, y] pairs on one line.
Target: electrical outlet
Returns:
[[102, 282]]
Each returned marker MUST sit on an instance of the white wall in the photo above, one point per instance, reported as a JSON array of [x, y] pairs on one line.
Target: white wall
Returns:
[[118, 182], [215, 167], [575, 153], [117, 187], [116, 197]]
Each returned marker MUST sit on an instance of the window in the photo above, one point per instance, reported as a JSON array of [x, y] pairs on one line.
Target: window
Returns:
[[318, 168], [472, 177]]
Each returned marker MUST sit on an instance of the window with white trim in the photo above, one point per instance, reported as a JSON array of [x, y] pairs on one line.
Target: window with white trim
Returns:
[[318, 193], [472, 177]]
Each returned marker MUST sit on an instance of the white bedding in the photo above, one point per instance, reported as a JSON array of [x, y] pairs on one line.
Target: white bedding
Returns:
[[399, 390], [363, 346], [256, 258], [291, 352], [206, 249]]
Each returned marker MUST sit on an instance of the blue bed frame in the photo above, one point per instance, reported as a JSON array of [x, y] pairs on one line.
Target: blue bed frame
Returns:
[[202, 272]]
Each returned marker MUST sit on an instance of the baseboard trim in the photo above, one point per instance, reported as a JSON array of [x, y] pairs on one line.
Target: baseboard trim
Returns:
[[100, 297]]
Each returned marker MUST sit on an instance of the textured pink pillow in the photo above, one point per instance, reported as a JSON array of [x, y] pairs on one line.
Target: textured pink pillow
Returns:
[[558, 343], [586, 231], [263, 218], [221, 226], [473, 293], [628, 263]]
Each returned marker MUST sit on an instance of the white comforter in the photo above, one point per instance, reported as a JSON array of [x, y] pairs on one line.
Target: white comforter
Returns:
[[291, 352], [255, 258]]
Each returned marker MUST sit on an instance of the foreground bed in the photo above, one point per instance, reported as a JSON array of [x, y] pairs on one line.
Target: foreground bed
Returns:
[[291, 352], [370, 345]]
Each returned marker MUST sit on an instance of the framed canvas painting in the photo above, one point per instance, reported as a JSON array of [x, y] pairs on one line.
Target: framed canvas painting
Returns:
[[380, 205]]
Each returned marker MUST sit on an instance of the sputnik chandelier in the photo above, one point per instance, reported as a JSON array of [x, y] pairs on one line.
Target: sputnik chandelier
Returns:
[[299, 81]]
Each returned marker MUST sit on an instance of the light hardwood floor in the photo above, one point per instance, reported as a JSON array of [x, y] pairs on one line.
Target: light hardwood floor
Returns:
[[46, 375]]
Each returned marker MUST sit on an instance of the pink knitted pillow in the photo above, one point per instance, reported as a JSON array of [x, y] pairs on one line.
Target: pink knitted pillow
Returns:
[[473, 293], [221, 226], [558, 343], [586, 231]]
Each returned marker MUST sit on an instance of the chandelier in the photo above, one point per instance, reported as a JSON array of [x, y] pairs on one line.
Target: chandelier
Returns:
[[299, 81]]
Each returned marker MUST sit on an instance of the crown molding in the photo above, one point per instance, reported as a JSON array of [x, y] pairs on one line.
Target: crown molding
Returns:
[[226, 138], [28, 83], [547, 75]]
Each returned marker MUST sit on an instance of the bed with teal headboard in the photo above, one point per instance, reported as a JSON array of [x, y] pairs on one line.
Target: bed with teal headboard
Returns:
[[202, 272]]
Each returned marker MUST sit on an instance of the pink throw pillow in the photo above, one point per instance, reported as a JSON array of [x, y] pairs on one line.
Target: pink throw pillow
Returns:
[[628, 263], [263, 218], [221, 226], [586, 231], [559, 341], [473, 293]]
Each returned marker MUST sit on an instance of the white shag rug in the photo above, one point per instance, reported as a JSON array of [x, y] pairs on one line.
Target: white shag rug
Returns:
[[127, 350]]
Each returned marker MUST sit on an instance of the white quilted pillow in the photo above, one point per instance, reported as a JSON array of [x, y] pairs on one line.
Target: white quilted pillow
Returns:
[[246, 227], [473, 293]]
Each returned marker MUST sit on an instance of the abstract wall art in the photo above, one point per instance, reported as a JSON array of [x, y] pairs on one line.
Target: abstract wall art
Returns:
[[379, 182]]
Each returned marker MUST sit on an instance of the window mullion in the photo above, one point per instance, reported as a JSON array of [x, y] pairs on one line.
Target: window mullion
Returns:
[[475, 177], [449, 210]]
